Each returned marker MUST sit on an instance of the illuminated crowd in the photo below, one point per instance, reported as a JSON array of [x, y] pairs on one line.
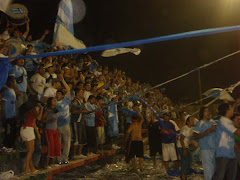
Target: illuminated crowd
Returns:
[[71, 102]]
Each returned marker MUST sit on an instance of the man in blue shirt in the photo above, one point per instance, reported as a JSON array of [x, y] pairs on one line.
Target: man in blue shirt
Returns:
[[90, 124], [31, 64], [63, 120], [20, 74], [168, 142], [226, 163], [205, 131], [8, 104]]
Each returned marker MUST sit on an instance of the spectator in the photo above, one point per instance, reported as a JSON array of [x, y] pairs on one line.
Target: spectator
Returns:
[[78, 120], [31, 64], [17, 33], [20, 74], [34, 43], [186, 133], [226, 163], [205, 132], [51, 130], [181, 121], [49, 75], [63, 120], [8, 105], [154, 136], [136, 147], [168, 142], [28, 125], [236, 122], [38, 82], [87, 92], [113, 122], [51, 91], [99, 123], [90, 124]]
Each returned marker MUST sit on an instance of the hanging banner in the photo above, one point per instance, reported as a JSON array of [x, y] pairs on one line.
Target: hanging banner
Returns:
[[65, 38], [63, 30], [4, 5], [115, 52]]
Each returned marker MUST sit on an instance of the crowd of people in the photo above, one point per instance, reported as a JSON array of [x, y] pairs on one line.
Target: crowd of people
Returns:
[[74, 101]]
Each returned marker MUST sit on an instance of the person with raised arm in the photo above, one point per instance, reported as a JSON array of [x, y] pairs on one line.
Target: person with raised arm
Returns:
[[63, 120], [154, 136]]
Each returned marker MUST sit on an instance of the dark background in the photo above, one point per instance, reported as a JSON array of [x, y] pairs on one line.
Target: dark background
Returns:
[[112, 21]]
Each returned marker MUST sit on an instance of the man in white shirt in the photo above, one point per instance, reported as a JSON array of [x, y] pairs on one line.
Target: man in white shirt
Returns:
[[37, 82], [87, 92], [51, 91], [183, 146], [49, 75]]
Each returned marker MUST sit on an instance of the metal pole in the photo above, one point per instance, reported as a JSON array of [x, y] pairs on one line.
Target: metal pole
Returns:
[[200, 86]]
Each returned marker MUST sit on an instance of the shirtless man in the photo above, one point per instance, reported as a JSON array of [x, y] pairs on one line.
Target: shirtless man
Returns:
[[136, 147]]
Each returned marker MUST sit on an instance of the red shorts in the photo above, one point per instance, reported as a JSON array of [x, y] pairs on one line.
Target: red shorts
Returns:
[[53, 142]]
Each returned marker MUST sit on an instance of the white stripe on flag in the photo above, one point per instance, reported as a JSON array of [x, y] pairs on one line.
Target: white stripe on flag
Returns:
[[4, 5]]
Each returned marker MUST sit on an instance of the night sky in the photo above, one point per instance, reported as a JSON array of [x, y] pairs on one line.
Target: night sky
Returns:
[[112, 21]]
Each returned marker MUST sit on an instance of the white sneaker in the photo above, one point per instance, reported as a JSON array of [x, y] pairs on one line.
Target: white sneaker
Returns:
[[118, 147], [82, 156], [92, 154], [114, 146]]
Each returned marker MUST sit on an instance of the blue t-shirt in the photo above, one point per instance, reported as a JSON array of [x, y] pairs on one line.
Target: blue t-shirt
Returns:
[[224, 138], [63, 112], [9, 97], [168, 137], [21, 71], [128, 117], [207, 142], [31, 64], [90, 118]]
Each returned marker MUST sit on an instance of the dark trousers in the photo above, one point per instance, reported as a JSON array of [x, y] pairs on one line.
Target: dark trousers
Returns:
[[121, 123], [226, 169], [186, 161], [10, 132]]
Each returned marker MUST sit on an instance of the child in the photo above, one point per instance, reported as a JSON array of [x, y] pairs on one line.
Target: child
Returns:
[[136, 147]]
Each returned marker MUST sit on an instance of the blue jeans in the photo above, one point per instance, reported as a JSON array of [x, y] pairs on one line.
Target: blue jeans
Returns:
[[208, 162]]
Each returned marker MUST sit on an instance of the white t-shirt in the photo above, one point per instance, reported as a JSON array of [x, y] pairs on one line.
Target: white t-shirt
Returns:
[[3, 56], [187, 132], [86, 95], [50, 92], [47, 75], [96, 73], [38, 83], [175, 124]]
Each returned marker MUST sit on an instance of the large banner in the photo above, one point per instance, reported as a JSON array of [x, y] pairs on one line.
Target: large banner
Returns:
[[63, 30], [65, 38]]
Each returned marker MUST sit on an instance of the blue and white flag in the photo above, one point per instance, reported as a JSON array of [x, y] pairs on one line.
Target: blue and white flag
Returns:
[[4, 5], [63, 30]]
